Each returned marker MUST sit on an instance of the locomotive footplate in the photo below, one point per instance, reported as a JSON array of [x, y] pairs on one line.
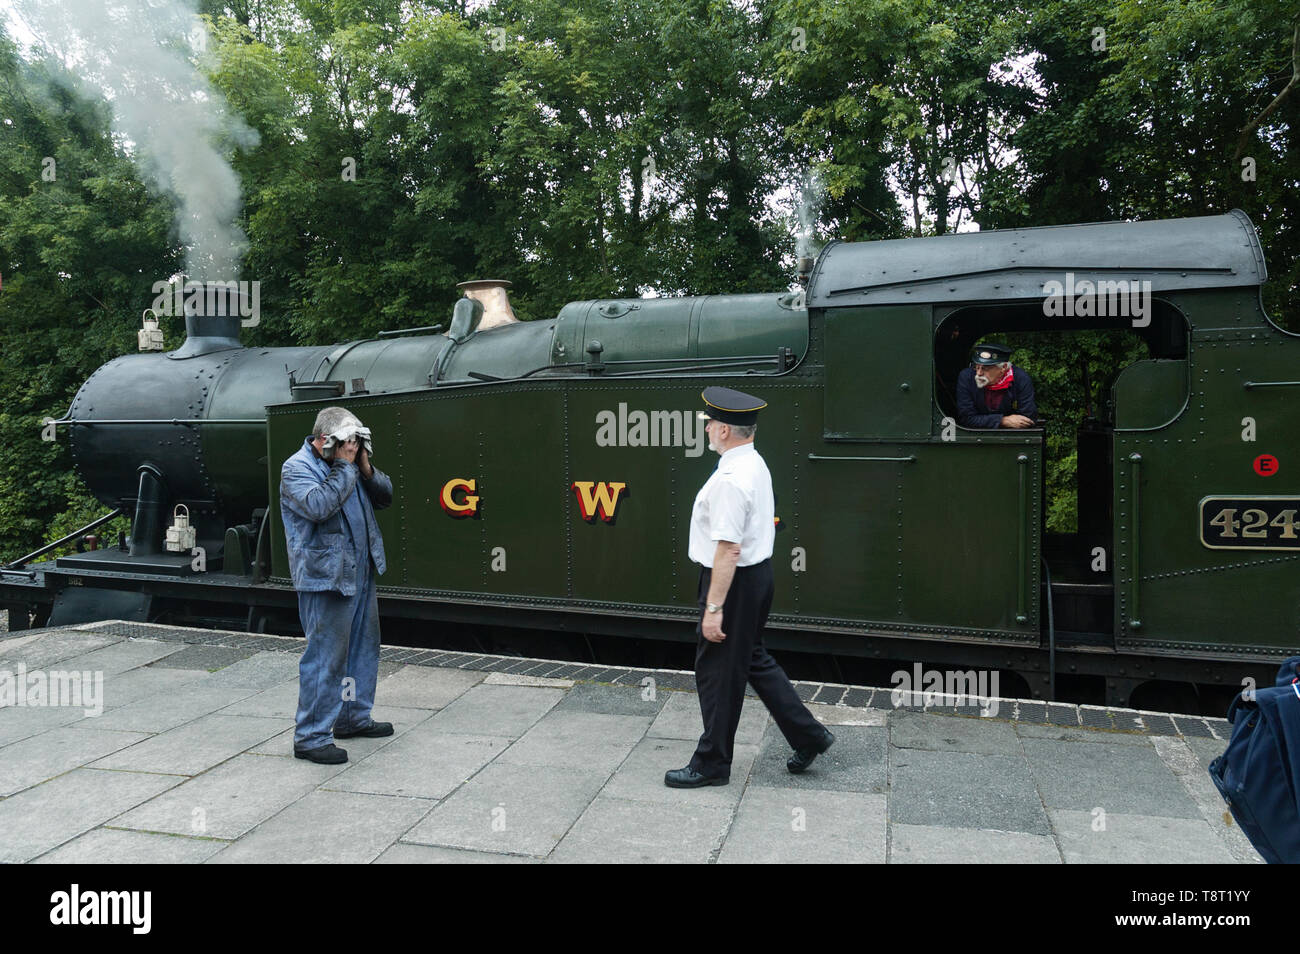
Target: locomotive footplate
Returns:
[[159, 564]]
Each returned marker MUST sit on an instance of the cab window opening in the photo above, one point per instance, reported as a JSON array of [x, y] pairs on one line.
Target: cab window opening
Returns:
[[1074, 364]]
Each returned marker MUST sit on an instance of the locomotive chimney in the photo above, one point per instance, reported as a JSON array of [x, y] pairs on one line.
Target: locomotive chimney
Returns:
[[213, 313], [491, 294], [805, 268]]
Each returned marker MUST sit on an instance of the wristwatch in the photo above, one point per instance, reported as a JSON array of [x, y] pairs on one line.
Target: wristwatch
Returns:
[[713, 608]]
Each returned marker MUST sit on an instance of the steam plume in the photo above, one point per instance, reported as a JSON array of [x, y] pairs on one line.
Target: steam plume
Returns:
[[136, 54], [812, 193]]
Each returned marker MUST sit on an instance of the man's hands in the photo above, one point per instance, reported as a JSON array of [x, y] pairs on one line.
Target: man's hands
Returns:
[[347, 451], [1017, 420], [363, 461], [711, 627], [725, 557]]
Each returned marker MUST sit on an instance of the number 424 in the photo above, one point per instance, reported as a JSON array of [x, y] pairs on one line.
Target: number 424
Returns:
[[1254, 523]]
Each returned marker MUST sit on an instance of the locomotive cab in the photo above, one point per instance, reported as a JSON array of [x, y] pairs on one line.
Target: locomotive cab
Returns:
[[1163, 467], [1077, 541]]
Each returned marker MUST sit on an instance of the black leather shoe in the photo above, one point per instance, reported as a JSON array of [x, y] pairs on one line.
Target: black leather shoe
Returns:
[[803, 758], [376, 730], [689, 778], [326, 755]]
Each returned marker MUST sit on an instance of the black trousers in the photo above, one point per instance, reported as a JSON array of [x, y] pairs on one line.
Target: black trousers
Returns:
[[722, 669]]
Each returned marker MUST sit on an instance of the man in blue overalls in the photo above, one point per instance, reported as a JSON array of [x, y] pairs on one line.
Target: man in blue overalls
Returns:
[[335, 552]]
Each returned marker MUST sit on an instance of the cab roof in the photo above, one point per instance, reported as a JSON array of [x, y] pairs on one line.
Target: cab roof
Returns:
[[1213, 251]]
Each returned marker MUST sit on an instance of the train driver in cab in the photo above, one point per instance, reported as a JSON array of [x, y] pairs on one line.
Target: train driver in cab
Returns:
[[993, 392]]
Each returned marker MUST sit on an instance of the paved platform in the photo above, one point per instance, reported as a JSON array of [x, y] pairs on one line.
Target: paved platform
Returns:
[[501, 759]]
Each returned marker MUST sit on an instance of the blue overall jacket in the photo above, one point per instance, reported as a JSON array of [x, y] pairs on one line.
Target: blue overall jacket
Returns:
[[316, 497]]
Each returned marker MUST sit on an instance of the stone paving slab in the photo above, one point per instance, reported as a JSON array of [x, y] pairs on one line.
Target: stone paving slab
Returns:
[[231, 799], [940, 845], [855, 763], [124, 688], [964, 790], [509, 760], [619, 831], [328, 827], [119, 657], [1059, 733], [918, 730], [614, 700], [41, 757], [584, 741], [47, 649], [44, 817], [421, 764], [417, 687], [194, 747], [167, 710], [781, 826], [23, 722], [503, 711], [278, 702], [1117, 778], [407, 854], [257, 672], [1206, 750], [1135, 839], [114, 846], [847, 715], [517, 809], [506, 679], [680, 719]]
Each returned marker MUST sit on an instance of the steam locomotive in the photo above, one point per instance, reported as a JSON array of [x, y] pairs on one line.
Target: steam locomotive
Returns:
[[545, 470]]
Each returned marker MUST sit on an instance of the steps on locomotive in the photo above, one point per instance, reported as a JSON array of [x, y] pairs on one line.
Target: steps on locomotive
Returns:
[[1083, 597]]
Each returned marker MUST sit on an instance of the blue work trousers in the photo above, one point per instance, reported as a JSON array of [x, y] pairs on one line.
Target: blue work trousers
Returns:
[[339, 668]]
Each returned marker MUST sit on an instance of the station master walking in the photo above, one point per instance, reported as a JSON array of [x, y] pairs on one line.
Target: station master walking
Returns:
[[731, 536], [329, 492]]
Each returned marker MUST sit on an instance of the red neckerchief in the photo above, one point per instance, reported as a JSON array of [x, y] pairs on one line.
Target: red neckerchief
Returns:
[[1004, 383]]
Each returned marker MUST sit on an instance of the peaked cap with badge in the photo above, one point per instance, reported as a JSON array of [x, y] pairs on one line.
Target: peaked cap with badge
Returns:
[[731, 407], [987, 354]]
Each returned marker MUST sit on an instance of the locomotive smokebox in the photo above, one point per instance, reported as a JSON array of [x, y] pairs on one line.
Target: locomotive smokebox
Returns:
[[188, 426]]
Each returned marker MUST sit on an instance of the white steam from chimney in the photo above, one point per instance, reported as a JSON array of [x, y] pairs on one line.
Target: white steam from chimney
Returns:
[[812, 193], [139, 55]]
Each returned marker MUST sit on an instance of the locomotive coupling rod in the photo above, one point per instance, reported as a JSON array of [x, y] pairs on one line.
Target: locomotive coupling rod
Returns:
[[62, 540]]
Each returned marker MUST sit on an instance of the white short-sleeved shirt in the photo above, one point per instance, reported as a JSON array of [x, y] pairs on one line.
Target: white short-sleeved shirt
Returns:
[[735, 504]]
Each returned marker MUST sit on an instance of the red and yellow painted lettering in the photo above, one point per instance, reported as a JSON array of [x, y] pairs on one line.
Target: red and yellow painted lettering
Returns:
[[602, 496], [467, 506]]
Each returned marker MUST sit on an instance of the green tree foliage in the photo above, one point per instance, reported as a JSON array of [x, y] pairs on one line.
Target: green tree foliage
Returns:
[[81, 243]]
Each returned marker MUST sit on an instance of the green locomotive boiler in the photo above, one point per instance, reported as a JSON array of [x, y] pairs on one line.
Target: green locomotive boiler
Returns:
[[544, 471]]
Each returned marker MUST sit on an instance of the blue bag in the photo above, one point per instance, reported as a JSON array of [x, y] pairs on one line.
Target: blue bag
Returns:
[[1259, 774]]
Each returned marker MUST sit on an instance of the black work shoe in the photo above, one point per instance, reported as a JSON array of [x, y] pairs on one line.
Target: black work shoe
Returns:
[[376, 730], [803, 758], [325, 755], [689, 778]]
